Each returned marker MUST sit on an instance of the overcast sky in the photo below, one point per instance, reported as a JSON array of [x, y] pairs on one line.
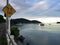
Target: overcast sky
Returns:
[[33, 8]]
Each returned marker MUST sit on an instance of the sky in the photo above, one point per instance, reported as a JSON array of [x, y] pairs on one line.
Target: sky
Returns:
[[34, 9]]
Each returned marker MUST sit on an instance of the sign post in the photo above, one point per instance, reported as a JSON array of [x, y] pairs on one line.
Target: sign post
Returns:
[[9, 11], [7, 26]]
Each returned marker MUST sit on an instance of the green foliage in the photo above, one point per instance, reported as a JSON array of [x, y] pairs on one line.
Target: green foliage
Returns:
[[14, 31], [3, 40], [2, 20]]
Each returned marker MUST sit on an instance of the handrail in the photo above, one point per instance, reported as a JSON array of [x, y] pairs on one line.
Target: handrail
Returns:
[[11, 40]]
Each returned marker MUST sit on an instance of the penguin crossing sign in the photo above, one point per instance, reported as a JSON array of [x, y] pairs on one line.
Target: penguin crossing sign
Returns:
[[9, 10]]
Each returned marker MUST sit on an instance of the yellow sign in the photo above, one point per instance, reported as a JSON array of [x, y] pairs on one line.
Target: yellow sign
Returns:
[[9, 10]]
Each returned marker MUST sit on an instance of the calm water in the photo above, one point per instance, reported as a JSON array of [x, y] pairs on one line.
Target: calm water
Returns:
[[41, 35]]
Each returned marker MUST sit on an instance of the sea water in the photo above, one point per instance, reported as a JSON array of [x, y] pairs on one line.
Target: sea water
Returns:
[[34, 34]]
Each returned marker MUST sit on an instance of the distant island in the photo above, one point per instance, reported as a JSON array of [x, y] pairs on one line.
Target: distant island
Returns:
[[58, 22], [22, 20]]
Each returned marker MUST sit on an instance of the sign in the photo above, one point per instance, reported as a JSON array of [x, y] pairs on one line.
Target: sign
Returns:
[[9, 10]]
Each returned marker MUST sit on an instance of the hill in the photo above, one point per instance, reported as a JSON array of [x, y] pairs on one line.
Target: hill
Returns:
[[22, 20], [18, 20]]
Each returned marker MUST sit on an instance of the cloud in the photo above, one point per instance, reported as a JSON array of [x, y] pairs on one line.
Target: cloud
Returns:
[[15, 5], [57, 7], [33, 8], [39, 6], [37, 9], [2, 3]]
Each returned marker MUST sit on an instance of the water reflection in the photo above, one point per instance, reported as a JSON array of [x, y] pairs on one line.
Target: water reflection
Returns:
[[41, 35]]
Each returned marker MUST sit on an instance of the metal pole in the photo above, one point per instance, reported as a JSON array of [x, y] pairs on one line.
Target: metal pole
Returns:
[[8, 25], [8, 20], [7, 2], [7, 29]]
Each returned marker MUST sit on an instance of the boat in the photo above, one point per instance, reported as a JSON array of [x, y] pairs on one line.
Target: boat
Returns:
[[41, 24]]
